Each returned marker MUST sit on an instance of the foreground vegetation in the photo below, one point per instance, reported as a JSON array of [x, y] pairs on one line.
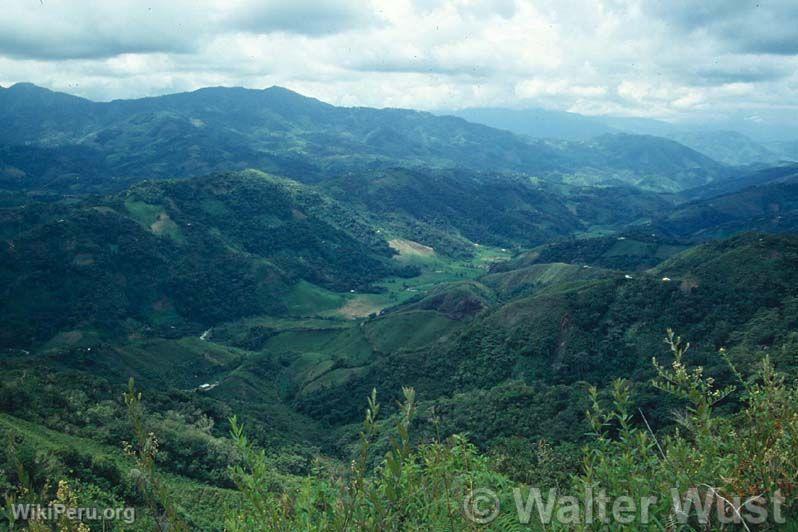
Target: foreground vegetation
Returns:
[[736, 464]]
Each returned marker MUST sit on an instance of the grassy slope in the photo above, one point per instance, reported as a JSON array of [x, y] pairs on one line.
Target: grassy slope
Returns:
[[201, 505]]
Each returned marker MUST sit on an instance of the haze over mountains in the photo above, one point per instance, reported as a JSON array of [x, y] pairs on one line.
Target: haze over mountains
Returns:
[[726, 146]]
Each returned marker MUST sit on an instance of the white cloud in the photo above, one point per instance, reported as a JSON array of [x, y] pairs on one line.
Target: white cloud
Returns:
[[592, 56], [301, 17]]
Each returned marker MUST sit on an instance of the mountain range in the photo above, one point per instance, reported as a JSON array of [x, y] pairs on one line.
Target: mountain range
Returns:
[[361, 193], [278, 131], [724, 145]]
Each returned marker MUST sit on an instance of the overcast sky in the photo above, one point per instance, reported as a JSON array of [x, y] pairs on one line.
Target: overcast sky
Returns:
[[672, 59]]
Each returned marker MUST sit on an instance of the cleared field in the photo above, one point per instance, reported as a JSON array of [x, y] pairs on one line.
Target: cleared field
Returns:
[[410, 248], [360, 307], [435, 271], [154, 218]]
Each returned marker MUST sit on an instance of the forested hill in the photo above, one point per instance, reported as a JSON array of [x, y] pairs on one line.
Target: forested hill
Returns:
[[184, 254], [94, 146], [564, 323], [179, 254], [771, 206]]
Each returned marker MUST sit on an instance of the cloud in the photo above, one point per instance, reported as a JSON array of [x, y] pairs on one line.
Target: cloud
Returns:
[[676, 60], [724, 73], [754, 27], [88, 29], [301, 17], [60, 29], [474, 40]]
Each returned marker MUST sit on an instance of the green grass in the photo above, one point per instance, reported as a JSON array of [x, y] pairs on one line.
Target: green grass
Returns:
[[183, 363], [435, 271], [298, 340], [164, 314], [320, 358], [144, 213], [541, 276], [314, 352], [307, 299], [331, 379], [408, 330], [326, 341], [75, 338], [632, 248], [237, 332]]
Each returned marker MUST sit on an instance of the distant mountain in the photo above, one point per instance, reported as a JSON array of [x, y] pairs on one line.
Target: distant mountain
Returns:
[[279, 131], [728, 147], [538, 123], [228, 128], [779, 126], [786, 149], [640, 126], [34, 115], [648, 162]]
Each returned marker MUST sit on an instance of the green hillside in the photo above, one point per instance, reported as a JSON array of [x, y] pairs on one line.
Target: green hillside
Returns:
[[769, 207], [567, 324], [631, 250], [504, 356], [179, 256], [511, 210], [279, 131]]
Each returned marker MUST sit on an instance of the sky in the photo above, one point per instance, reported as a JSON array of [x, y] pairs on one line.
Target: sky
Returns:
[[678, 60]]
